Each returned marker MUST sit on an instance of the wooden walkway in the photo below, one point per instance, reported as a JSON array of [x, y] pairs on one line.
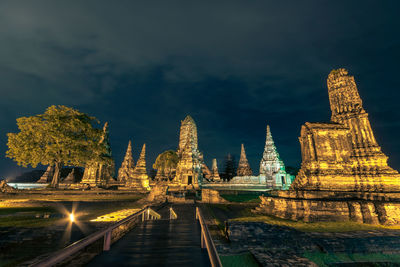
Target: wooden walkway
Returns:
[[159, 243]]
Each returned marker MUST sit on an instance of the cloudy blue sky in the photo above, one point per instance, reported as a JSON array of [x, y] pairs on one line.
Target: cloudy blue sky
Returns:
[[234, 66]]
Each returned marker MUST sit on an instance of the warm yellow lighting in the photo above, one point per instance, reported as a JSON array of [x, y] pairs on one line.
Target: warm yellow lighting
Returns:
[[72, 217]]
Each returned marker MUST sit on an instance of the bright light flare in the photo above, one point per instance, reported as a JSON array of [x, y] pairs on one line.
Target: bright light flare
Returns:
[[72, 217]]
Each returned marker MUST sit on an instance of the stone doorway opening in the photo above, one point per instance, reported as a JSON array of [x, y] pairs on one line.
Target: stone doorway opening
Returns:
[[189, 179]]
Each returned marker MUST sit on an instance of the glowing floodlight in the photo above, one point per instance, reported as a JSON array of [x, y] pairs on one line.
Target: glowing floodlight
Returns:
[[72, 217]]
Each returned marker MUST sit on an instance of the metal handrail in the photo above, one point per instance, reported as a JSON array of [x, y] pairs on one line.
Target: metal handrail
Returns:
[[66, 252], [207, 242]]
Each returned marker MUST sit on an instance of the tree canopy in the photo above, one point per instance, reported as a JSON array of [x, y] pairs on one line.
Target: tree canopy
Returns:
[[62, 136], [166, 162]]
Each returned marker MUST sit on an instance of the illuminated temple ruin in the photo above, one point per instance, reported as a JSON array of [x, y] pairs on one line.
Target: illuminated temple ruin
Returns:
[[271, 165], [139, 180], [344, 174], [244, 166], [188, 169], [344, 155], [97, 174]]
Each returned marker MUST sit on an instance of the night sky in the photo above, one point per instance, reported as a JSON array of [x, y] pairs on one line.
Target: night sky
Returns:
[[234, 66]]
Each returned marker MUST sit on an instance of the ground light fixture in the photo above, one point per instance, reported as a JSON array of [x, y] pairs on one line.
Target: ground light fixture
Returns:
[[71, 217]]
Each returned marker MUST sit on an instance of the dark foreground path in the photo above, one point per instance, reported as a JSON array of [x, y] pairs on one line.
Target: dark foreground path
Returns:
[[159, 243]]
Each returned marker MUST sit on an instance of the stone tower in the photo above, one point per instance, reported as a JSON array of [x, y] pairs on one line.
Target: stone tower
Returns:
[[270, 163], [214, 172], [188, 169], [139, 179], [343, 155], [127, 166], [97, 174], [244, 166]]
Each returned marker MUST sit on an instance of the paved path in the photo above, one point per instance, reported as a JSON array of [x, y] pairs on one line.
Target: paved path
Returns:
[[159, 243]]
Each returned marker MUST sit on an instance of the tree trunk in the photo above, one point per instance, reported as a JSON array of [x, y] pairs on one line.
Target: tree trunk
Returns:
[[56, 176]]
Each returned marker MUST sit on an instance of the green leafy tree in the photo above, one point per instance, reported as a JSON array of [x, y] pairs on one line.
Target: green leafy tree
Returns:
[[62, 136], [166, 162]]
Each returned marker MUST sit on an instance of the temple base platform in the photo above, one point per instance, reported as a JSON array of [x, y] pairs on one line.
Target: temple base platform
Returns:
[[316, 206]]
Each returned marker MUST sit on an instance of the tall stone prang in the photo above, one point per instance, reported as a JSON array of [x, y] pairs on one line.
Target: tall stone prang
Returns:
[[97, 174], [188, 169], [244, 166], [271, 165], [344, 175], [214, 172], [47, 175], [139, 179], [127, 166], [344, 155]]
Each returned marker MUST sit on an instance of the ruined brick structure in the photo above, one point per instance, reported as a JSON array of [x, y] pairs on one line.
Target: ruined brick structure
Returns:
[[99, 174], [244, 166], [344, 155], [344, 174], [214, 172], [139, 180], [188, 169], [127, 166]]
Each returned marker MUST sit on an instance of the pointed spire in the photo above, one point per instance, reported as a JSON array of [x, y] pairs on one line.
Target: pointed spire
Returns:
[[214, 171], [244, 166], [127, 165], [139, 179], [141, 163], [270, 162]]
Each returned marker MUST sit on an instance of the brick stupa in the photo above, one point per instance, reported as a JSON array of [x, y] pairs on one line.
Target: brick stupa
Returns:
[[244, 166], [139, 181], [127, 166]]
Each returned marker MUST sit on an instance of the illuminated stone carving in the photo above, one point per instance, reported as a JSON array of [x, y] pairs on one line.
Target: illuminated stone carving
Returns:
[[344, 155], [244, 166], [214, 172], [188, 170], [127, 166], [139, 179], [96, 174]]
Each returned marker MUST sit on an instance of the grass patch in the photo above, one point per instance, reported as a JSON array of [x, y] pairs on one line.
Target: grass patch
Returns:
[[316, 226], [246, 259], [325, 259], [28, 222], [6, 211], [240, 198]]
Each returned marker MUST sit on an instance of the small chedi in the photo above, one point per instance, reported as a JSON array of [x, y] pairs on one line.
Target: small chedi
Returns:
[[47, 175], [344, 174], [244, 166], [127, 166], [188, 169], [271, 165], [97, 174], [139, 180], [214, 172]]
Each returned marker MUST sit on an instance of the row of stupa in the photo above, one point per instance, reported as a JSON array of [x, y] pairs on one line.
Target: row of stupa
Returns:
[[272, 169], [190, 170]]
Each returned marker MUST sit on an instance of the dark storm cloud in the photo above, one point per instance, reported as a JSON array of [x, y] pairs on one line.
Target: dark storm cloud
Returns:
[[233, 65]]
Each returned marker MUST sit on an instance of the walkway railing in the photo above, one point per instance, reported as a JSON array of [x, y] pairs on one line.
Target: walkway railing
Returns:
[[172, 214], [207, 242], [147, 214]]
